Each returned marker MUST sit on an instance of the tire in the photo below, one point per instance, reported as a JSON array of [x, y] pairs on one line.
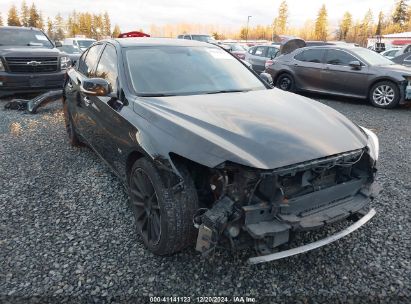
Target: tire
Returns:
[[285, 82], [163, 219], [74, 139], [385, 94]]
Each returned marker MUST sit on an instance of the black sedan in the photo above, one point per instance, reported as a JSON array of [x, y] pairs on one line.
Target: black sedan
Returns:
[[206, 148], [343, 70]]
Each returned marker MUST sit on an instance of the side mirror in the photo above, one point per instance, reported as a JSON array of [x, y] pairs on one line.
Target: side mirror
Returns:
[[58, 44], [95, 87], [355, 64], [267, 78]]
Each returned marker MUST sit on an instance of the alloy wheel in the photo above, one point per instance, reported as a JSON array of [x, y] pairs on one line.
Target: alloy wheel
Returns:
[[383, 95], [145, 206]]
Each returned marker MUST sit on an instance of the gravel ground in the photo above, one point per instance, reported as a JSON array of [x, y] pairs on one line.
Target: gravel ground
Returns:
[[66, 232]]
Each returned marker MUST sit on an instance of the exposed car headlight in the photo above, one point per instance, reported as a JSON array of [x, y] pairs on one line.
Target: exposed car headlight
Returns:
[[373, 143], [1, 66], [65, 62]]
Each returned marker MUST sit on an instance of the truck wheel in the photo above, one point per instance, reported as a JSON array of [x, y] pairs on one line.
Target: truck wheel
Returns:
[[164, 219], [385, 94], [71, 131]]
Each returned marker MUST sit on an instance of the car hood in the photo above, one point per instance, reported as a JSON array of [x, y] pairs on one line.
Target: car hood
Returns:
[[263, 129], [396, 68], [25, 51]]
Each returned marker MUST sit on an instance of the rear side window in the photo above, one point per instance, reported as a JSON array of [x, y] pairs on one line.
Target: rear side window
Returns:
[[187, 37], [272, 52], [314, 55], [260, 51], [91, 59], [251, 50], [336, 57], [408, 59]]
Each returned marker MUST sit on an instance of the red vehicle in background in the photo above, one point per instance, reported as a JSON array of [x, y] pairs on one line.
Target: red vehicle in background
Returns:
[[133, 34]]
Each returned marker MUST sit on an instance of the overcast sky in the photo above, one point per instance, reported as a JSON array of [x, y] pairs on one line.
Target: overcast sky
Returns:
[[135, 14]]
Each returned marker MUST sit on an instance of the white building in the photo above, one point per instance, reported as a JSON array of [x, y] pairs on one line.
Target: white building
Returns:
[[392, 40]]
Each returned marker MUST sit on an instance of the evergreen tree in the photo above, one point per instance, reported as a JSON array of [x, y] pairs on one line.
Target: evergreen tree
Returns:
[[116, 31], [58, 27], [107, 24], [34, 16], [280, 23], [378, 31], [50, 29], [321, 24], [24, 14], [400, 15], [13, 17], [345, 26], [1, 20]]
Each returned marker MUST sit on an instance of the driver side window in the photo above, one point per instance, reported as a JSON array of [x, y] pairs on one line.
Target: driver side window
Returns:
[[86, 66], [107, 66]]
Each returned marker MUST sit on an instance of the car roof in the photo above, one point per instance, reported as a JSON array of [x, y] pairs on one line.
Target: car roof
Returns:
[[148, 41], [332, 47], [20, 28]]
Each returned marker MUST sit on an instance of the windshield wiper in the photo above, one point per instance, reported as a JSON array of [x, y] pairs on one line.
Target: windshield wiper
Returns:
[[226, 91], [155, 94]]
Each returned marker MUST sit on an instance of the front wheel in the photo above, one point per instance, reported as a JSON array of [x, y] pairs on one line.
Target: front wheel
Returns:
[[285, 82], [385, 94], [163, 218], [74, 139]]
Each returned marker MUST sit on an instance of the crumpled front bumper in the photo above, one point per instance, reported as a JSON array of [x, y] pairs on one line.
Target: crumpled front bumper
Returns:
[[314, 245]]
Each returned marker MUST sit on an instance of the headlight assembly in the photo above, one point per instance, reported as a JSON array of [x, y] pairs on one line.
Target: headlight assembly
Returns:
[[373, 143], [65, 62]]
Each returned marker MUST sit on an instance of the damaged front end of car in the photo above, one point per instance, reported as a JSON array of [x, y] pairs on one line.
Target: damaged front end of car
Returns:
[[245, 207]]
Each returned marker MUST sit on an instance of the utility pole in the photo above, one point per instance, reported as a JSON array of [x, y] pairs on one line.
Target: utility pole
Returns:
[[246, 34]]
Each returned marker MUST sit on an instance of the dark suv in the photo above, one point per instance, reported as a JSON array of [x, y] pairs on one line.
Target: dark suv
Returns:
[[29, 61]]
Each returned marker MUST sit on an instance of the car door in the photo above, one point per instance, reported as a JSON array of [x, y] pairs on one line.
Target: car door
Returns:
[[259, 58], [307, 66], [111, 136], [340, 78], [84, 119]]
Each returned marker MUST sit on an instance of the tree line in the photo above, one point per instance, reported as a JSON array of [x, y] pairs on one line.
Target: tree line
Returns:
[[349, 30], [95, 26], [99, 25]]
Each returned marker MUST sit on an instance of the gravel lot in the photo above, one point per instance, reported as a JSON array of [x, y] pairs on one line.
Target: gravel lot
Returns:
[[66, 232]]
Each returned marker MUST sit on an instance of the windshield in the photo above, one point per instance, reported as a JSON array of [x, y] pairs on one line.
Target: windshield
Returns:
[[204, 38], [85, 43], [22, 37], [372, 57], [70, 49], [237, 47], [171, 70]]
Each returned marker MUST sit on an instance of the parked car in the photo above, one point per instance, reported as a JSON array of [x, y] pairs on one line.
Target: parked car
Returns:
[[29, 61], [81, 42], [391, 53], [195, 136], [343, 70], [261, 56], [72, 51], [202, 38], [404, 59], [236, 49]]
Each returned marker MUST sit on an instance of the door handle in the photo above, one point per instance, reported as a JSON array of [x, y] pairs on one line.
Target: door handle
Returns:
[[87, 100]]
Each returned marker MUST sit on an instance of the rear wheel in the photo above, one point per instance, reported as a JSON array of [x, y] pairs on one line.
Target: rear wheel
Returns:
[[164, 219], [285, 82], [74, 138], [385, 94]]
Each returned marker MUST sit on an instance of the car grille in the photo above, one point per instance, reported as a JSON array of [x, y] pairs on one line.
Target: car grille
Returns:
[[32, 64]]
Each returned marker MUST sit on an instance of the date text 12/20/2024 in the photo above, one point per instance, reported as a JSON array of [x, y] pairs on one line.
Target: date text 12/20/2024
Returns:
[[234, 299]]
